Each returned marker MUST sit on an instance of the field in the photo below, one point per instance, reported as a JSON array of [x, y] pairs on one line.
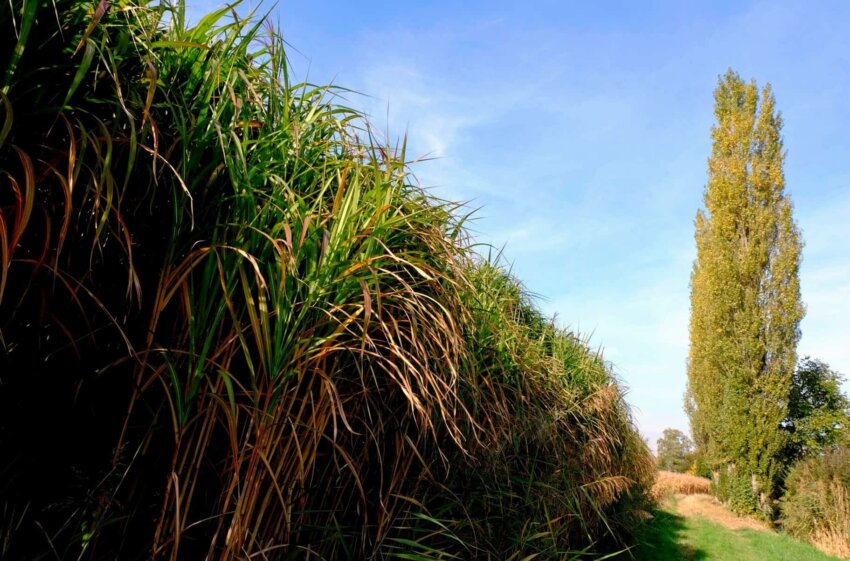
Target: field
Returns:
[[669, 483]]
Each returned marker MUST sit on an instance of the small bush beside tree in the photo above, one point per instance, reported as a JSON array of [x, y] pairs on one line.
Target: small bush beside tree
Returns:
[[817, 410], [699, 467], [736, 491]]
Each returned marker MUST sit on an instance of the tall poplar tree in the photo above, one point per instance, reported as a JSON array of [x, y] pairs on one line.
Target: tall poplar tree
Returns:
[[745, 294]]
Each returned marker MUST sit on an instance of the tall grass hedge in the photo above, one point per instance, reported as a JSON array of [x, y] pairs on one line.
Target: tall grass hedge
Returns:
[[816, 505], [232, 326]]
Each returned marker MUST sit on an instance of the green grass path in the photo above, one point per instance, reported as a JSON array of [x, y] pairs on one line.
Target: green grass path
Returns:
[[671, 537]]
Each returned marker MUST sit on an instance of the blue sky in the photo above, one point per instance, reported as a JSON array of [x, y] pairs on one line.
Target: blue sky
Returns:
[[581, 129]]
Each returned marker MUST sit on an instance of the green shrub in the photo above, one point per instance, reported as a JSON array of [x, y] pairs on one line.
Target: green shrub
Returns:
[[699, 466], [736, 491]]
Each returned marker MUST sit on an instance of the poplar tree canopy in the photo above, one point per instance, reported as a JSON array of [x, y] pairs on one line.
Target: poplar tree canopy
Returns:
[[745, 292]]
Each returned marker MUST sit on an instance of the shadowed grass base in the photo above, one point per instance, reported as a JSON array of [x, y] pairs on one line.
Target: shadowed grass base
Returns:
[[671, 537], [664, 538]]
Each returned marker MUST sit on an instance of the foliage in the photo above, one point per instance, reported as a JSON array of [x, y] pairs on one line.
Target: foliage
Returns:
[[735, 490], [816, 505], [699, 466], [235, 327], [745, 294], [817, 409], [674, 451]]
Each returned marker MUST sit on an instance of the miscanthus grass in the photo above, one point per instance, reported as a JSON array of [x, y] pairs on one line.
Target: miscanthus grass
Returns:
[[234, 327]]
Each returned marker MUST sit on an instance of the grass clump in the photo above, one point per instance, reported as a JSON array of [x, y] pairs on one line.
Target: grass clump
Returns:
[[234, 327], [559, 465], [816, 505]]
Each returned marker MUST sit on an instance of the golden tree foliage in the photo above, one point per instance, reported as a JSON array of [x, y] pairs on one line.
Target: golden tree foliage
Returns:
[[745, 293]]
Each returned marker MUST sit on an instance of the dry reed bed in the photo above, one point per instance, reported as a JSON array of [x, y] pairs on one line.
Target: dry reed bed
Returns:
[[668, 482]]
